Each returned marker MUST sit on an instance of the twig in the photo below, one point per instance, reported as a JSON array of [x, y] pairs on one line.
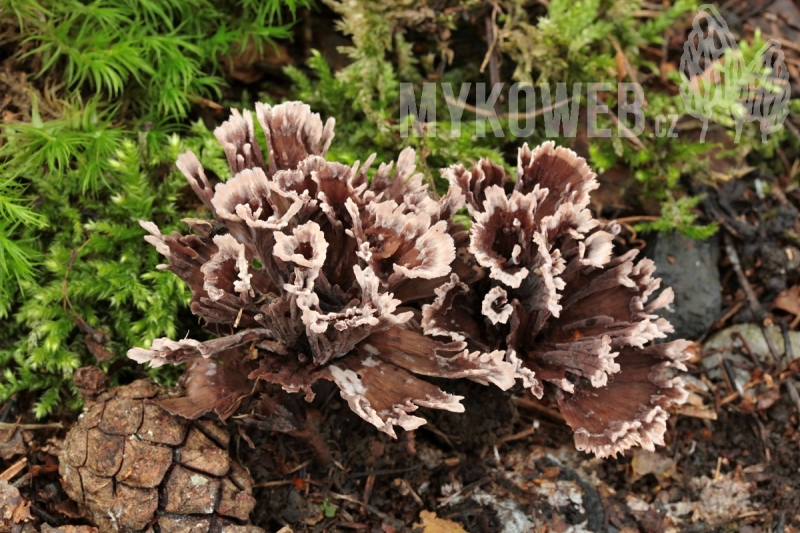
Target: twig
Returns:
[[538, 409], [14, 469], [380, 514], [784, 43], [752, 299], [368, 485], [792, 128], [746, 348], [718, 470], [696, 412], [634, 220], [770, 344], [793, 394], [205, 101], [748, 514], [277, 483], [729, 313], [516, 116], [788, 352], [516, 436], [634, 241], [729, 398], [390, 472], [788, 355], [12, 430], [299, 467], [491, 53], [491, 38], [439, 433], [456, 494], [7, 407], [645, 14], [728, 375], [404, 482], [50, 519], [763, 434], [52, 425]]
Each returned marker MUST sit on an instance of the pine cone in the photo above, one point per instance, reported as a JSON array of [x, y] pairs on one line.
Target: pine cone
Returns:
[[132, 465]]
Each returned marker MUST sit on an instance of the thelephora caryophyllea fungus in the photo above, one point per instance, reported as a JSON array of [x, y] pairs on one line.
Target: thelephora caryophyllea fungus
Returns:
[[311, 271]]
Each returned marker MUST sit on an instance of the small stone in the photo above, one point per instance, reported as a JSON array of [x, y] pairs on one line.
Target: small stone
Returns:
[[698, 299]]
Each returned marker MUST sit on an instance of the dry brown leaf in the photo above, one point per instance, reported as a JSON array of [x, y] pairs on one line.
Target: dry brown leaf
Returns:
[[13, 507], [645, 462], [433, 524], [789, 300], [11, 445]]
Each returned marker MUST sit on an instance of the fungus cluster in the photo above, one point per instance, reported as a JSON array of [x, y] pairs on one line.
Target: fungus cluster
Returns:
[[311, 270]]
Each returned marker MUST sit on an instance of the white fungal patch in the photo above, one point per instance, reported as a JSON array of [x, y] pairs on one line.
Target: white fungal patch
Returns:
[[348, 381], [370, 349]]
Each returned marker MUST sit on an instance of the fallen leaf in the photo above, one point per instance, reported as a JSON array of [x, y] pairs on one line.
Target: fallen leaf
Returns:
[[789, 300], [645, 462], [11, 445], [433, 524], [13, 508]]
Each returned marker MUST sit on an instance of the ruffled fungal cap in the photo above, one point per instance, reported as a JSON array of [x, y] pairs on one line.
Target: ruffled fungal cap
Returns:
[[570, 317], [298, 275], [312, 271]]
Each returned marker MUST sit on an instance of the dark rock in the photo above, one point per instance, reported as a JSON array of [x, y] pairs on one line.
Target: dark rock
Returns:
[[690, 268]]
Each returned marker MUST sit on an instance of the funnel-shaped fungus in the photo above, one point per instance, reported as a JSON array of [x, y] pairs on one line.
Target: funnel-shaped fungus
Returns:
[[568, 315], [306, 276], [314, 271]]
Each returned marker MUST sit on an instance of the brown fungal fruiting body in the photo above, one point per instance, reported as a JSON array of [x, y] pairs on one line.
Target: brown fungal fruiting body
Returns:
[[313, 271], [318, 273], [569, 316], [134, 465]]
